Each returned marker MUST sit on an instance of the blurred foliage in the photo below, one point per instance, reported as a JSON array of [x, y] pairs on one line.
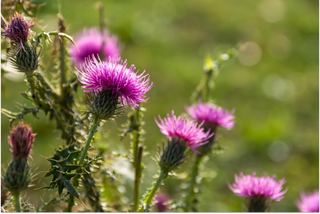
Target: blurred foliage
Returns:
[[273, 85]]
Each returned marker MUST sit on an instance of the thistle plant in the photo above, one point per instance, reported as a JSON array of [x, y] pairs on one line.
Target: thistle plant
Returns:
[[111, 83], [182, 134], [89, 181]]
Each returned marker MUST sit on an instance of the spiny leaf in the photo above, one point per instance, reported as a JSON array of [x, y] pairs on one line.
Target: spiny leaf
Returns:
[[69, 187]]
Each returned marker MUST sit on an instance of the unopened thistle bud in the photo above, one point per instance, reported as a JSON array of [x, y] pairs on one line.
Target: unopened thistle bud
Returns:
[[17, 30], [26, 59], [21, 141], [17, 176], [182, 134]]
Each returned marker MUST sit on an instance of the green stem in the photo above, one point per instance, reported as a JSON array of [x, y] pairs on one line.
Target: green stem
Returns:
[[31, 82], [47, 87], [93, 128], [16, 200], [70, 203], [206, 88], [154, 189], [137, 180], [136, 136], [63, 79], [194, 173]]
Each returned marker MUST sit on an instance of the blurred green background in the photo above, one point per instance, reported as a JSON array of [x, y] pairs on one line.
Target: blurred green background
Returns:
[[273, 85]]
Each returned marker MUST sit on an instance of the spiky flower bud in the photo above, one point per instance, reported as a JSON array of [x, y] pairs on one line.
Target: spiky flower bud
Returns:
[[17, 30], [103, 104], [20, 141], [17, 176], [173, 155], [26, 59]]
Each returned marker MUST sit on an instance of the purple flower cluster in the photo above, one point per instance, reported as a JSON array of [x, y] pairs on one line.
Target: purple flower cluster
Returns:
[[309, 202], [93, 42], [114, 75], [185, 129], [210, 114], [250, 186], [17, 29], [20, 141]]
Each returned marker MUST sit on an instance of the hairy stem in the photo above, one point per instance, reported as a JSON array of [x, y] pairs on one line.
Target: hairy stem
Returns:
[[16, 200], [31, 81], [93, 128], [194, 173], [63, 79], [154, 189], [137, 180]]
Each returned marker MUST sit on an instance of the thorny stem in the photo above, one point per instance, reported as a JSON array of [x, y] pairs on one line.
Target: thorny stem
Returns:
[[136, 156], [63, 79], [194, 173], [154, 189], [16, 200], [93, 128], [137, 180], [136, 136], [31, 82], [47, 88]]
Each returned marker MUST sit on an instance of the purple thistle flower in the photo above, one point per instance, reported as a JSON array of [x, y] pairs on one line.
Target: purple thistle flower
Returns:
[[252, 186], [92, 42], [309, 202], [185, 129], [161, 200], [211, 115], [17, 30], [21, 141], [114, 76]]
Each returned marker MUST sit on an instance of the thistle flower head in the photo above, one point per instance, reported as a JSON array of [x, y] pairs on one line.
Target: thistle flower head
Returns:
[[93, 42], [161, 200], [17, 29], [210, 114], [114, 76], [252, 186], [309, 202], [20, 141], [183, 129]]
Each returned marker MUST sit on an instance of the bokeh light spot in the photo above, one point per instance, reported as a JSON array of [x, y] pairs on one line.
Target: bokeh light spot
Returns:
[[250, 54], [278, 151]]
